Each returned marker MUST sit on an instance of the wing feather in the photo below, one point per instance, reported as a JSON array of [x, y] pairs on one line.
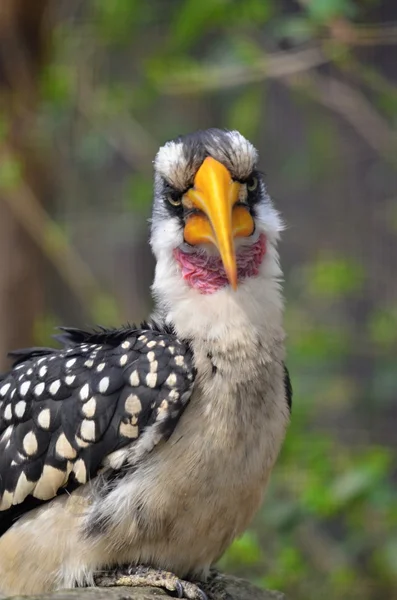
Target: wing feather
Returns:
[[64, 414]]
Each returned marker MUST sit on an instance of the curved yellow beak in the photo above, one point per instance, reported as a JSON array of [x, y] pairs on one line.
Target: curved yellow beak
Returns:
[[215, 195]]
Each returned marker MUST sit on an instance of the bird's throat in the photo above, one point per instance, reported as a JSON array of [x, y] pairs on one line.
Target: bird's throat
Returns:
[[206, 273]]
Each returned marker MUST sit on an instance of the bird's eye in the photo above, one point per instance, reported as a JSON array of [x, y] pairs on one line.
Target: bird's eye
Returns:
[[252, 184], [175, 200]]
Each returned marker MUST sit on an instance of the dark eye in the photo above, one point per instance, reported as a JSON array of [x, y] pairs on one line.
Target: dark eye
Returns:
[[174, 200], [252, 184]]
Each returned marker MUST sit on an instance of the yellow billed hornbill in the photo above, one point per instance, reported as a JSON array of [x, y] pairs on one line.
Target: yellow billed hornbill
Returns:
[[138, 454]]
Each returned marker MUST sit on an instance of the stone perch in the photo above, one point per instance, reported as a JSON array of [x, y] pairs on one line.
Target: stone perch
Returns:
[[219, 587]]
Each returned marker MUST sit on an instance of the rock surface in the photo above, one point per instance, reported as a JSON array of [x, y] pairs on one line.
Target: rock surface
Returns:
[[220, 587]]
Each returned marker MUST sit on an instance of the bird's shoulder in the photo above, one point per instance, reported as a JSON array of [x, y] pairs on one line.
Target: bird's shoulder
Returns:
[[64, 414]]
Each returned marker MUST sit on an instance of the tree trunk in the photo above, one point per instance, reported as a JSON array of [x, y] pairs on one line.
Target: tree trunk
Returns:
[[22, 50]]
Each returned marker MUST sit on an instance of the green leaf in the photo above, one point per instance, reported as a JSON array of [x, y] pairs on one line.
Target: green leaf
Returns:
[[383, 326], [58, 84], [323, 11], [385, 559], [335, 277], [318, 343], [362, 478], [138, 193], [192, 20], [243, 551], [44, 327], [10, 173], [105, 310], [245, 113], [115, 21]]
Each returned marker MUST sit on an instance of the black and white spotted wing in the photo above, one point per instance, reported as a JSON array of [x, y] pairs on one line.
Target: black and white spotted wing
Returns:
[[65, 413]]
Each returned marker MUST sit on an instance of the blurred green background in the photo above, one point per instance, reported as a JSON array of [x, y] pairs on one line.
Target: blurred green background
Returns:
[[89, 90]]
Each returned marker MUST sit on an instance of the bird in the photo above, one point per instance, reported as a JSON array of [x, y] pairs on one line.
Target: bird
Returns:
[[138, 454]]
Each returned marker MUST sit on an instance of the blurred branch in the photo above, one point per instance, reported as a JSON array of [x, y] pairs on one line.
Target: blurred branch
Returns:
[[378, 34], [50, 238], [277, 65], [352, 105], [292, 68], [368, 76]]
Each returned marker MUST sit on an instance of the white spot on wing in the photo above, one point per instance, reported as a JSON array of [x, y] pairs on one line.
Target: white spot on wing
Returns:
[[80, 471], [20, 408], [22, 489], [125, 345], [134, 378], [6, 500], [69, 379], [81, 443], [179, 360], [30, 443], [23, 390], [49, 483], [87, 430], [44, 418], [70, 363], [103, 385], [151, 379], [39, 389], [133, 405], [128, 430], [7, 433], [63, 447], [123, 360], [85, 392], [171, 380], [89, 407], [54, 387], [4, 389], [43, 370]]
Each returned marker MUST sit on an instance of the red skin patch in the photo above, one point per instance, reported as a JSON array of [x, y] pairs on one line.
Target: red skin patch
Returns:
[[206, 273]]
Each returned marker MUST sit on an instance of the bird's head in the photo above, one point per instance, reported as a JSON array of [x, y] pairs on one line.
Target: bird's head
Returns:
[[213, 223]]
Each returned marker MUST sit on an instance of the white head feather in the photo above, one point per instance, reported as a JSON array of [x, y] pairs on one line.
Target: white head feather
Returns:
[[257, 302]]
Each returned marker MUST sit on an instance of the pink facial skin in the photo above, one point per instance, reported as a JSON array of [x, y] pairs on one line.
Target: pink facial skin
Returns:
[[206, 273]]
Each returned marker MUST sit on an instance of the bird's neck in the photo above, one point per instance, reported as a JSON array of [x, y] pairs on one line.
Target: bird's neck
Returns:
[[225, 321]]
